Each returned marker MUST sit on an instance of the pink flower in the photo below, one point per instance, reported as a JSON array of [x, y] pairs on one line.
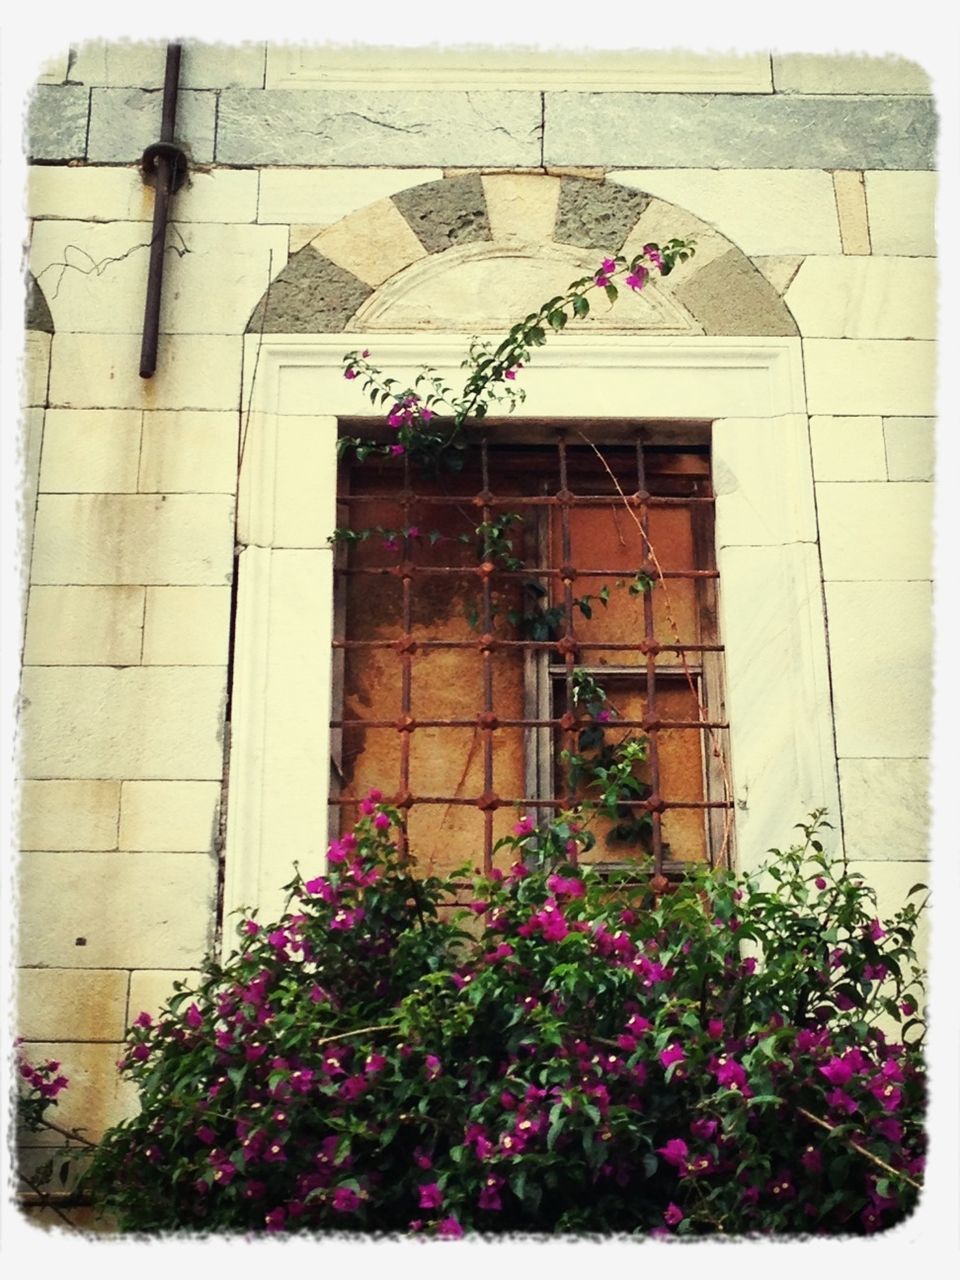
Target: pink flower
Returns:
[[820, 882], [524, 827], [672, 1215], [673, 1053], [875, 931], [142, 1020], [675, 1152], [510, 374], [193, 1017], [381, 822], [397, 450], [431, 1197], [449, 1229], [637, 279], [432, 1066], [349, 374], [275, 1219], [653, 255], [346, 1200]]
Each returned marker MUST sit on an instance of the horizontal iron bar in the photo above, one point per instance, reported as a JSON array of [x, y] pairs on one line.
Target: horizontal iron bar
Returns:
[[508, 802], [464, 571], [654, 727], [522, 644], [517, 500]]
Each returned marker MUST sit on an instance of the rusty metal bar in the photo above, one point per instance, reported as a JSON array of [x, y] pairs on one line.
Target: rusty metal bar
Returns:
[[510, 802], [536, 500], [466, 571], [583, 645], [653, 755], [166, 164], [650, 726], [488, 802]]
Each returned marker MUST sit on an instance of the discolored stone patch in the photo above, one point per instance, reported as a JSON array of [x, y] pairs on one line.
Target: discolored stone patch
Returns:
[[451, 211], [596, 214], [37, 310], [310, 295], [730, 297]]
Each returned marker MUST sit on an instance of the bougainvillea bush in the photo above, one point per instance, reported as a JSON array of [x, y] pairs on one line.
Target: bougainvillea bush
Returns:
[[568, 1051]]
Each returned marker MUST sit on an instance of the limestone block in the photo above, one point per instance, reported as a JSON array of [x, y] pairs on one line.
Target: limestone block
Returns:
[[867, 377], [141, 64], [872, 532], [105, 193], [596, 215], [851, 197], [902, 208], [779, 510], [116, 910], [98, 1096], [886, 813], [180, 817], [739, 131], [830, 73], [289, 501], [763, 211], [90, 451], [124, 121], [36, 367], [311, 295], [880, 642], [84, 626], [57, 122], [31, 440], [71, 1004], [195, 371], [344, 127], [96, 274], [188, 452], [323, 196], [911, 448], [69, 814], [868, 297], [122, 722], [150, 989], [188, 626], [521, 205], [101, 539], [372, 244], [848, 448]]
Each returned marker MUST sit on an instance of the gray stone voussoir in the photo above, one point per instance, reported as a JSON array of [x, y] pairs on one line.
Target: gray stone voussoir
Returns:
[[38, 315], [310, 295], [731, 298], [446, 213], [598, 215]]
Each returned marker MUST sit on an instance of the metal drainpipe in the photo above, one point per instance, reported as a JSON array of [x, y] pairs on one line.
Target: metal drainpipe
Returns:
[[164, 166]]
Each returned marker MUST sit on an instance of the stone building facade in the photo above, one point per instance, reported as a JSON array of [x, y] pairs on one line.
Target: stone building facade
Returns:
[[176, 670]]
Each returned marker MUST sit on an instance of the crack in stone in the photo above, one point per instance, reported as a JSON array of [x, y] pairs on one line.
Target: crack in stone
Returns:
[[383, 124], [98, 268]]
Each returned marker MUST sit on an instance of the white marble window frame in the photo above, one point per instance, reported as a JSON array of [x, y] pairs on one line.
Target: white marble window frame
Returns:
[[782, 753]]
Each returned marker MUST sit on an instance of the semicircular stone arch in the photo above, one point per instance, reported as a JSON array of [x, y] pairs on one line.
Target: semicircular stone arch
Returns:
[[475, 252]]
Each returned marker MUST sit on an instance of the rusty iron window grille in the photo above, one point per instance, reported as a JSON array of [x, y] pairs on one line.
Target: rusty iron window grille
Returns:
[[459, 716]]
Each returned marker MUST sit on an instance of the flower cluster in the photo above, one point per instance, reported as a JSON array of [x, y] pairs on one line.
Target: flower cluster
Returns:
[[561, 1053]]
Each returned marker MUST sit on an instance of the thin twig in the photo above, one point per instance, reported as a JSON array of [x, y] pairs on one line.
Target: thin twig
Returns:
[[360, 1031], [882, 1164], [45, 1200]]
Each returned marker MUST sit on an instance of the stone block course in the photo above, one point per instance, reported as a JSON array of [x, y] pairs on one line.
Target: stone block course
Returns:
[[910, 448], [122, 722], [830, 73], [865, 297], [885, 810], [72, 1004], [106, 539], [868, 377], [124, 121], [178, 817], [881, 675], [902, 208], [875, 531], [102, 193], [186, 626], [84, 626], [763, 211], [188, 452], [406, 127], [141, 64], [730, 131], [57, 121], [68, 814], [847, 448], [90, 451], [194, 371], [143, 911], [320, 197]]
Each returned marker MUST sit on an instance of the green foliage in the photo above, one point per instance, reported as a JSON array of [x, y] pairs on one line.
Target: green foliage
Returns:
[[568, 1052]]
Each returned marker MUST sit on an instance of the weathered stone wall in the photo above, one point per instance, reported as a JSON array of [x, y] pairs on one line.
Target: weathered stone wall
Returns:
[[809, 182]]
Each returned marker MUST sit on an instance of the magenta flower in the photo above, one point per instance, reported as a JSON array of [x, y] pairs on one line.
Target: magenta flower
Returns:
[[811, 1160], [193, 1017], [673, 1053], [837, 1100], [672, 1215], [637, 279], [653, 256], [820, 882], [489, 1197], [432, 1066], [449, 1229], [524, 827], [837, 1071], [346, 1200], [675, 1152], [703, 1128], [875, 931], [349, 374], [275, 1219], [142, 1020], [568, 885], [381, 822], [431, 1197]]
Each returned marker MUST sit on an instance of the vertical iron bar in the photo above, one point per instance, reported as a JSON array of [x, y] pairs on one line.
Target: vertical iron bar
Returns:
[[165, 171], [406, 661], [650, 636], [487, 658]]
